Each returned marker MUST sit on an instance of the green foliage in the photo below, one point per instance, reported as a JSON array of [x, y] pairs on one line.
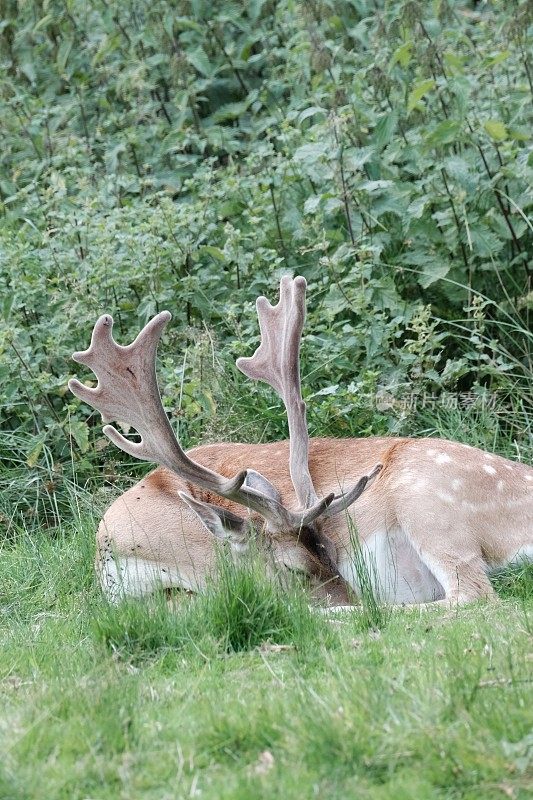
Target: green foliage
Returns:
[[243, 608], [185, 155]]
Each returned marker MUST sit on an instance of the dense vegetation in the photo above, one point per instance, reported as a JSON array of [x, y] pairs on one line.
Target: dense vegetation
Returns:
[[183, 155]]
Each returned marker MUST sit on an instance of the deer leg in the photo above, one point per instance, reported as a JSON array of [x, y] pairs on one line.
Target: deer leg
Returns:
[[460, 569]]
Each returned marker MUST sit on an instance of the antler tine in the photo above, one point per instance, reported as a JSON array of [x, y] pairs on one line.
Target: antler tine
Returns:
[[277, 362], [127, 391], [343, 501]]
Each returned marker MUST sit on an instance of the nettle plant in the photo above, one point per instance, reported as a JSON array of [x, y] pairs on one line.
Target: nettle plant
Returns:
[[187, 156]]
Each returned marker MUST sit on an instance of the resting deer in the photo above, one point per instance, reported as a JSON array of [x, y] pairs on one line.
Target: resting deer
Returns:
[[432, 517]]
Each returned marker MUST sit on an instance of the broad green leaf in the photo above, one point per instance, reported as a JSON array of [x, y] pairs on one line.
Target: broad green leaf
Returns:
[[198, 8], [63, 53], [432, 271], [186, 23], [458, 168], [454, 61], [7, 304], [200, 61], [384, 130], [309, 153], [43, 22], [374, 186], [156, 60], [484, 241], [113, 155], [496, 58], [417, 206], [356, 157], [107, 45], [28, 69], [79, 430], [312, 203], [446, 132], [333, 204], [428, 266], [419, 91], [254, 8], [36, 450], [310, 112], [520, 134], [496, 129], [402, 55], [230, 111], [214, 252]]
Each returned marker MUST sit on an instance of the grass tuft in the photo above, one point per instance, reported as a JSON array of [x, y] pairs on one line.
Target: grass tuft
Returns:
[[515, 582], [241, 608]]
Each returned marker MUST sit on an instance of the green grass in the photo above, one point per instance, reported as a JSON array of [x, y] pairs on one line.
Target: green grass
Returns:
[[142, 700]]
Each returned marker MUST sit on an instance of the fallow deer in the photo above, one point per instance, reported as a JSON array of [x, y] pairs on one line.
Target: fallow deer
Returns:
[[432, 519]]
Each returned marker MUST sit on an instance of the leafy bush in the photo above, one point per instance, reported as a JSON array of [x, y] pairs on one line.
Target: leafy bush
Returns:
[[185, 155]]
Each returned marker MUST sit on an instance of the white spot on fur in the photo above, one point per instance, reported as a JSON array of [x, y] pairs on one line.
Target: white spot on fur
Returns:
[[509, 467], [445, 497], [443, 458], [431, 452], [456, 484], [411, 482], [529, 478], [501, 485], [489, 470], [489, 456]]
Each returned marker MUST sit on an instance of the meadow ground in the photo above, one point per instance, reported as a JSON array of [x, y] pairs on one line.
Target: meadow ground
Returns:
[[253, 697]]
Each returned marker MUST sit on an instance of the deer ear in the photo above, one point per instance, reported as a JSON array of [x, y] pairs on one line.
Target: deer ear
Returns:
[[254, 480], [222, 523]]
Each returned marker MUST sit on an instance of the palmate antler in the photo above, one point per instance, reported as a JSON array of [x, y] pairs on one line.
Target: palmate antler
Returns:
[[277, 362], [127, 392]]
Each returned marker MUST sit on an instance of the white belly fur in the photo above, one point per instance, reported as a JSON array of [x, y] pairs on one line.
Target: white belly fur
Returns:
[[388, 564]]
